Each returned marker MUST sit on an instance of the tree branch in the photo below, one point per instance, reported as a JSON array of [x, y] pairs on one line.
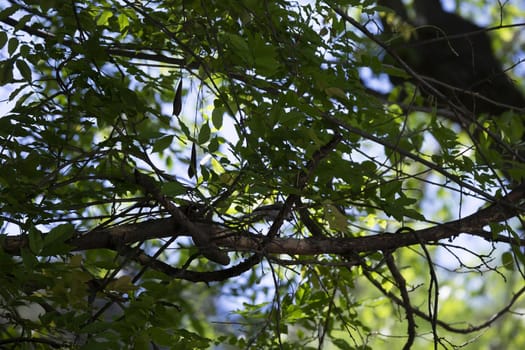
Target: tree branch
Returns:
[[202, 235], [473, 224], [407, 305]]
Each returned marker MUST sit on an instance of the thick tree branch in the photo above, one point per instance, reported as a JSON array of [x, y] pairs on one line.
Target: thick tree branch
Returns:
[[202, 236], [113, 237]]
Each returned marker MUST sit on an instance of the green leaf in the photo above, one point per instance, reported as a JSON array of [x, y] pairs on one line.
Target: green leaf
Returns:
[[36, 242], [214, 144], [217, 117], [94, 49], [204, 134], [496, 228], [123, 23], [24, 69], [141, 342], [173, 189], [25, 51], [129, 97], [264, 55], [54, 240], [413, 214], [335, 92], [6, 72], [239, 45], [12, 45], [103, 20], [162, 144], [122, 284], [160, 336], [389, 189], [3, 39], [336, 219], [342, 344], [29, 258], [177, 100], [507, 259]]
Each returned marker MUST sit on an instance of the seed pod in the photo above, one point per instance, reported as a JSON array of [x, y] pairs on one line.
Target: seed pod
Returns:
[[177, 101]]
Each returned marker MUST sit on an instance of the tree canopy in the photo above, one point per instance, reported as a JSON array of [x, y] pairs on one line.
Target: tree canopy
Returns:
[[261, 174]]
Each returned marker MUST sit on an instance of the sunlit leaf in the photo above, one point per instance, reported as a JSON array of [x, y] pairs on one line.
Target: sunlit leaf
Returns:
[[104, 18], [123, 23], [336, 219]]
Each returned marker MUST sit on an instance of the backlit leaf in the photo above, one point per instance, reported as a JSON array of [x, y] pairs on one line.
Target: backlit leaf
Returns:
[[104, 18]]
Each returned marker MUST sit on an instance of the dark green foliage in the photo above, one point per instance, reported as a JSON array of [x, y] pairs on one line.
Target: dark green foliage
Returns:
[[225, 107]]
